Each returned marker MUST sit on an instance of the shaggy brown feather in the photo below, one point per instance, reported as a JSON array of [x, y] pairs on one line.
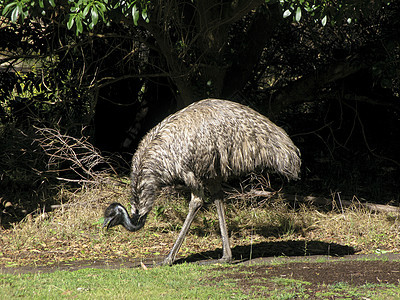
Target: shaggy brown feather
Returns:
[[210, 140]]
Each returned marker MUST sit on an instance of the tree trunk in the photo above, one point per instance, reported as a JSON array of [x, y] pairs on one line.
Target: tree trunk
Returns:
[[263, 25], [194, 40]]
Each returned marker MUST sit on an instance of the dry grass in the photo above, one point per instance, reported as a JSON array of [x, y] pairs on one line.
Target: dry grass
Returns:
[[73, 232], [366, 231]]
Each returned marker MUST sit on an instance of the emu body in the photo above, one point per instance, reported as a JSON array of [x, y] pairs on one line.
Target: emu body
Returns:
[[202, 146]]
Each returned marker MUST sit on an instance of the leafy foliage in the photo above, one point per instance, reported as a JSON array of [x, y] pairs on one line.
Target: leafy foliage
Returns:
[[330, 10], [85, 14], [81, 14]]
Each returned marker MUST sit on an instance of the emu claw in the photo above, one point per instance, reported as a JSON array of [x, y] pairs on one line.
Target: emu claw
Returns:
[[223, 260], [166, 262]]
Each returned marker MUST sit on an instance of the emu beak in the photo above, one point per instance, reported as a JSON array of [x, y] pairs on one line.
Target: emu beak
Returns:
[[107, 223]]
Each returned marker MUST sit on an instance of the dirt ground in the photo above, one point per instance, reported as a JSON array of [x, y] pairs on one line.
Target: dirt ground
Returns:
[[251, 276], [316, 275], [317, 269], [354, 270]]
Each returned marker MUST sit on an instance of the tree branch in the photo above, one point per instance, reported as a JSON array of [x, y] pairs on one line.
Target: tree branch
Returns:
[[303, 89], [263, 26]]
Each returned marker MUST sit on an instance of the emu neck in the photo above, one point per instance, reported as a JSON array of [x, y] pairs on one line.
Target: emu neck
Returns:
[[147, 194], [133, 223]]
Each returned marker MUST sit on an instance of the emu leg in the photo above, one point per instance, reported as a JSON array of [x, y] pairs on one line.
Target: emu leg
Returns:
[[226, 248], [195, 204]]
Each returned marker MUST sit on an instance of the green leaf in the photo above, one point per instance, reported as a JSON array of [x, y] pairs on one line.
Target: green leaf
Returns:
[[71, 21], [79, 26], [144, 15], [324, 20], [287, 13], [8, 7], [86, 10], [52, 3], [100, 9], [135, 14], [41, 4], [95, 15], [101, 6], [15, 14], [298, 14]]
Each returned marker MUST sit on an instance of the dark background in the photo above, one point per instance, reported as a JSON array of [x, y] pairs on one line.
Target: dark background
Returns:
[[333, 88]]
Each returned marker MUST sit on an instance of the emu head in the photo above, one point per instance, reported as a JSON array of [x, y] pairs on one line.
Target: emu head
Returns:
[[116, 214]]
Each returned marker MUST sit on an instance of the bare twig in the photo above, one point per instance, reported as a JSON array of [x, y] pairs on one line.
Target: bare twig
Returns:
[[256, 186], [75, 155], [354, 202]]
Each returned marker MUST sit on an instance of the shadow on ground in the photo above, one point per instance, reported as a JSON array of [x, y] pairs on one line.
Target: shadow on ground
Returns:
[[274, 249], [264, 251]]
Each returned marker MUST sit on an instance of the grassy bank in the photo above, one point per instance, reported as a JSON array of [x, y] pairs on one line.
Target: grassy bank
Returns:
[[273, 228]]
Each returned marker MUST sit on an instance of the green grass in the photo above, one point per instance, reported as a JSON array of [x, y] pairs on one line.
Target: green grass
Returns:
[[186, 281], [178, 282], [367, 291]]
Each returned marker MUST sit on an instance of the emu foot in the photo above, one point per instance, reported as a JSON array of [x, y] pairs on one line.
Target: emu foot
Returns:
[[168, 261], [223, 260]]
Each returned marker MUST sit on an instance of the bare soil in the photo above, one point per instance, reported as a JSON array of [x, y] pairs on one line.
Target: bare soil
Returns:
[[355, 270], [255, 276], [316, 269], [315, 276]]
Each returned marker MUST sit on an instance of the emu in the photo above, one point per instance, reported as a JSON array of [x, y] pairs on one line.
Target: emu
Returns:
[[201, 146]]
